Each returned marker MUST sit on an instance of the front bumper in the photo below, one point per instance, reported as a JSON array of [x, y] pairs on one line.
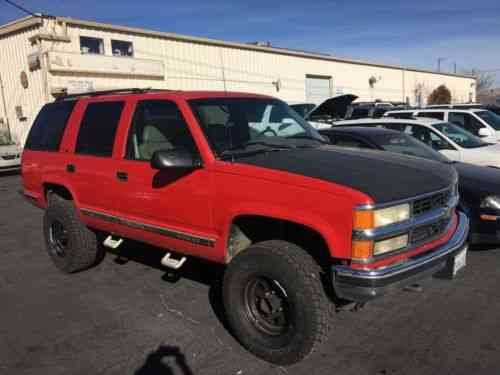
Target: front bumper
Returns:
[[364, 285]]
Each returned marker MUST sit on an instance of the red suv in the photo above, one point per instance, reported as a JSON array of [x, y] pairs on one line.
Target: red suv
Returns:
[[242, 180]]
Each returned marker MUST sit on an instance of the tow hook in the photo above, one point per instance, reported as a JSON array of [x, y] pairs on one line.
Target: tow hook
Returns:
[[415, 288]]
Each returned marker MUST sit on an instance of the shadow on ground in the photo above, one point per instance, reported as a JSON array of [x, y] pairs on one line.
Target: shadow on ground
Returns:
[[166, 360]]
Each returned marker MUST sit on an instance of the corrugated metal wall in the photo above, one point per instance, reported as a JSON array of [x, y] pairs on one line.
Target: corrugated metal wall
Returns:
[[15, 49]]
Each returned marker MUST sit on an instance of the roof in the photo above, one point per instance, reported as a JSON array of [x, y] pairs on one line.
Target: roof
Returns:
[[436, 110], [17, 25], [388, 120], [187, 95]]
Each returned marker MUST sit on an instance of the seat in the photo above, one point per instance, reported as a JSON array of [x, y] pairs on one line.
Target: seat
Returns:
[[153, 140]]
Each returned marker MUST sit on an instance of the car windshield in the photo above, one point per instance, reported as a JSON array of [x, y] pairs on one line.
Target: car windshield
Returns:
[[4, 140], [235, 126], [460, 136], [490, 118], [407, 145]]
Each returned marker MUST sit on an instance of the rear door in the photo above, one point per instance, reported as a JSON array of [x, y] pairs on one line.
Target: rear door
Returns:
[[92, 164]]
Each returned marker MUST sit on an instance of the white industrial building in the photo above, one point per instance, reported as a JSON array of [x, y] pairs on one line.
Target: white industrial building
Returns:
[[43, 57]]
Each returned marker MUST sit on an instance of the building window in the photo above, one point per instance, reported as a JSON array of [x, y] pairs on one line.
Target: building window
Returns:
[[91, 45], [122, 48]]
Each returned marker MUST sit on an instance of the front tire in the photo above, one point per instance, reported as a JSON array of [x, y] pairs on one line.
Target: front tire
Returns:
[[71, 245], [275, 302]]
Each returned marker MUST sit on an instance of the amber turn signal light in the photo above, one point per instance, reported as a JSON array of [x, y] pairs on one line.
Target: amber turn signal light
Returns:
[[363, 220], [362, 249]]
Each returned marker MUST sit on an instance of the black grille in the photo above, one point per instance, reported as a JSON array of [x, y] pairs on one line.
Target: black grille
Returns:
[[423, 205], [9, 157], [429, 231]]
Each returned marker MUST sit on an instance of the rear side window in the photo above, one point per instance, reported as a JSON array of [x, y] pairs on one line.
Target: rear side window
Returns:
[[436, 115], [48, 129], [98, 129]]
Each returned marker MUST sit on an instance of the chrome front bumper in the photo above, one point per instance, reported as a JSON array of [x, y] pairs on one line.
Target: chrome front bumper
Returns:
[[363, 285]]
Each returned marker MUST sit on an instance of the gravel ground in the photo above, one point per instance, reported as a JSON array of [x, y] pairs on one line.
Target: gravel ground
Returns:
[[130, 316]]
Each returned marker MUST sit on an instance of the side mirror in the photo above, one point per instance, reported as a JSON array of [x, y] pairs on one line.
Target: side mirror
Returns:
[[484, 132], [177, 158]]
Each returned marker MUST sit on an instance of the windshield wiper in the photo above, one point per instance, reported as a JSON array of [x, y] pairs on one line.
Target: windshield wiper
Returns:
[[270, 144], [233, 154], [308, 137]]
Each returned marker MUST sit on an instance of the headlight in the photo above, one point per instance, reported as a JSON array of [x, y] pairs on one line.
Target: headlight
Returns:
[[491, 202], [391, 244], [371, 219]]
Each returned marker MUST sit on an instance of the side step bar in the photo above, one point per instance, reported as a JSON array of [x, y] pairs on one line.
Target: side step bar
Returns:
[[174, 264], [112, 243]]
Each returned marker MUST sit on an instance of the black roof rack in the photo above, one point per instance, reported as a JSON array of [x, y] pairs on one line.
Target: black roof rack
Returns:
[[108, 92]]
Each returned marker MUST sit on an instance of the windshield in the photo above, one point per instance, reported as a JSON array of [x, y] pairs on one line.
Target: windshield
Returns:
[[4, 140], [490, 118], [460, 136], [404, 144], [233, 125]]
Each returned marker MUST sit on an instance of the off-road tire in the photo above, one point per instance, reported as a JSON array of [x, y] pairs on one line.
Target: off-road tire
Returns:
[[300, 277], [82, 250]]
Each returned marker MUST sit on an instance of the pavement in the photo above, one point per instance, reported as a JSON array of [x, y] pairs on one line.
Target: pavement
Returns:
[[131, 316]]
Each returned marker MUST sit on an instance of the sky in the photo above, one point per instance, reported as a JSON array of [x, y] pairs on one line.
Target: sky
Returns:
[[410, 33]]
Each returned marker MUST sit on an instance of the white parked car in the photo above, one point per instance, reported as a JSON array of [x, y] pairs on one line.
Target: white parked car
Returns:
[[10, 155], [447, 138], [480, 122]]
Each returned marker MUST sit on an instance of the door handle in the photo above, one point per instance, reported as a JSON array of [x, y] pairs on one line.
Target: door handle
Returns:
[[122, 176], [71, 168]]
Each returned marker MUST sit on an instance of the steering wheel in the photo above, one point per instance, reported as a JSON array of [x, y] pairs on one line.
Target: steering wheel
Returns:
[[267, 130]]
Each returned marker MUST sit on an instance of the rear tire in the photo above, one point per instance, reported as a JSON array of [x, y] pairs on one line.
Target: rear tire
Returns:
[[71, 245], [275, 302]]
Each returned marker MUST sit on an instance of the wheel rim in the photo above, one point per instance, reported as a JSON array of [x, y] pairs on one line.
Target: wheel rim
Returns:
[[58, 237], [267, 306]]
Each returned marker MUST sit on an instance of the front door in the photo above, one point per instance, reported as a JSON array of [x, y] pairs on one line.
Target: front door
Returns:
[[170, 207]]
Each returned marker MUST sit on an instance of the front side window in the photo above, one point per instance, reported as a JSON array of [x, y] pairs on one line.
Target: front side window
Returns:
[[460, 136], [91, 45], [122, 48], [490, 118], [158, 125], [98, 129], [48, 128], [465, 121], [248, 124]]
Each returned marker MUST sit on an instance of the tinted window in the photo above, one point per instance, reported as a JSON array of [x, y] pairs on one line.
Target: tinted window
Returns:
[[343, 140], [157, 125], [465, 121], [406, 145], [490, 118], [436, 115], [48, 128], [98, 128]]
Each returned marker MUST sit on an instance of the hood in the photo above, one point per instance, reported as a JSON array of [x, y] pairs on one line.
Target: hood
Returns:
[[335, 107], [477, 179], [9, 150], [384, 176]]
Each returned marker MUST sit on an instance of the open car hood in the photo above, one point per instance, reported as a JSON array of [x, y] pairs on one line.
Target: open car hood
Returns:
[[335, 107]]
